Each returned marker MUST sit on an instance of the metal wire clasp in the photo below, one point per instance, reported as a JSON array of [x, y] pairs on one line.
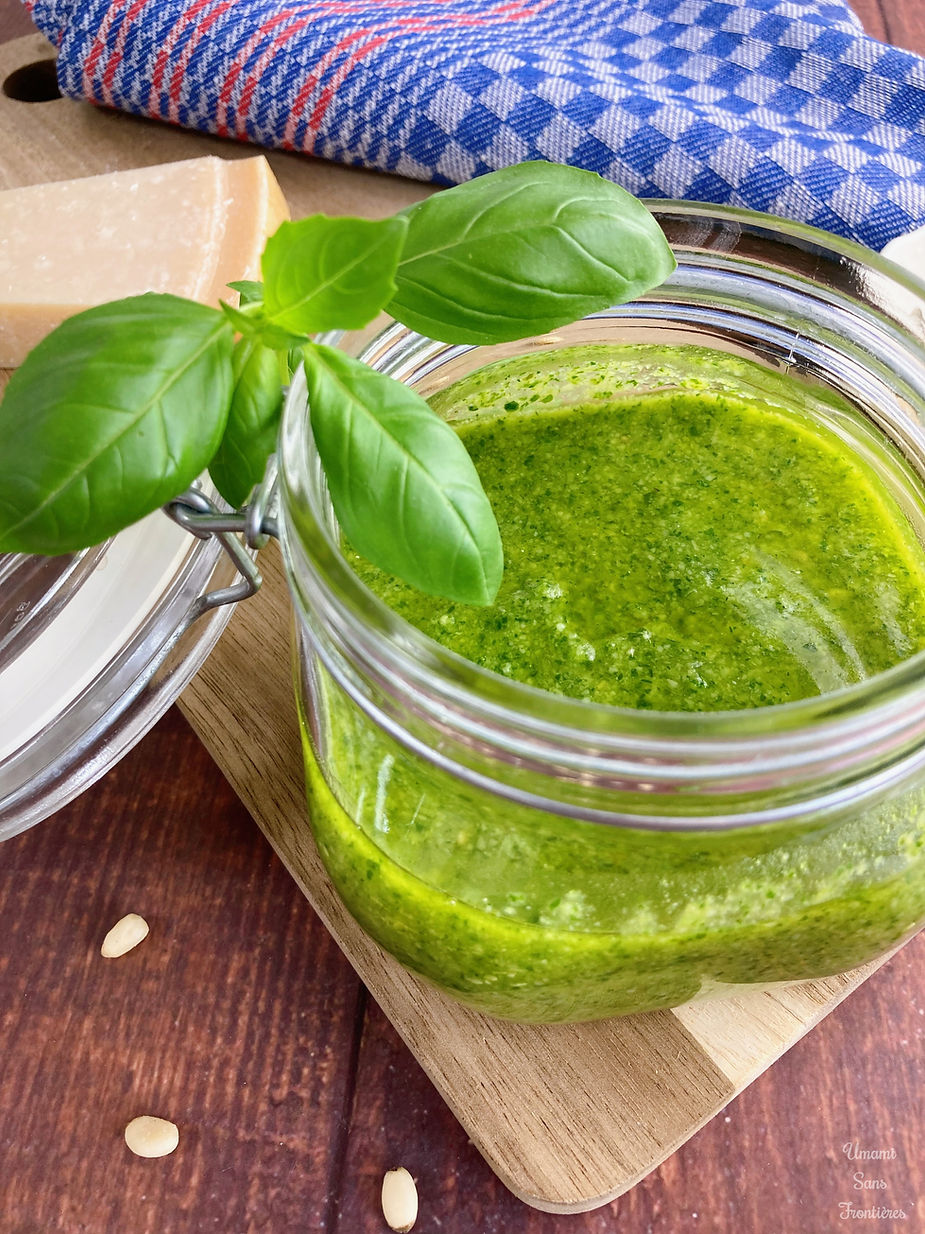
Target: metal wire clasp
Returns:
[[240, 533]]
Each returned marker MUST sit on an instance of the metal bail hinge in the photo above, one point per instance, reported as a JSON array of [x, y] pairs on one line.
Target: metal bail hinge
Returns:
[[240, 533]]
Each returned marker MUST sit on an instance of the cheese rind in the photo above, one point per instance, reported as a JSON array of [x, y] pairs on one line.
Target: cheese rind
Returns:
[[188, 228]]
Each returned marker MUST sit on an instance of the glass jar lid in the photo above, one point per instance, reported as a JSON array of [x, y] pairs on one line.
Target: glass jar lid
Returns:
[[94, 647]]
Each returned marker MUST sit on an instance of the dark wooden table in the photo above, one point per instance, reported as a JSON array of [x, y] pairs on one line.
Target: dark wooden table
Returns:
[[240, 1020]]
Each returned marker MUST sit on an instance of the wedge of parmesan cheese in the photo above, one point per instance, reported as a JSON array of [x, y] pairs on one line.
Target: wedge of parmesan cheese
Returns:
[[189, 228]]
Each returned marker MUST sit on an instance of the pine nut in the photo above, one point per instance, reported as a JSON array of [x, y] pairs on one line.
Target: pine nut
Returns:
[[148, 1136], [124, 935], [399, 1200]]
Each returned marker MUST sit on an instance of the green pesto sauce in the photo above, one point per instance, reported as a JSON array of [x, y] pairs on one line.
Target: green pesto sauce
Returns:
[[680, 551], [703, 545]]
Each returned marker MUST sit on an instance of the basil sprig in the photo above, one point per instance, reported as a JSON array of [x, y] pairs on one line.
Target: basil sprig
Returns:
[[122, 406]]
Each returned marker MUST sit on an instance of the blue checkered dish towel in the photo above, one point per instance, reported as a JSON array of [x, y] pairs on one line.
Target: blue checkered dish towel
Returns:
[[786, 107]]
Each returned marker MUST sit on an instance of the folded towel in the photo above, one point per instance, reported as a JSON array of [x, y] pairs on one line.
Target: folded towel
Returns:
[[786, 107]]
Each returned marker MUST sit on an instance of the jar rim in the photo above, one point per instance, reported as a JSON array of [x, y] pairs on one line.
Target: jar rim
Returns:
[[888, 707]]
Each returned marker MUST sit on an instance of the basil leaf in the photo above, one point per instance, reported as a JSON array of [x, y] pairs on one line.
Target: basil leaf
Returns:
[[253, 421], [293, 360], [250, 291], [330, 273], [524, 250], [251, 322], [404, 489], [113, 414]]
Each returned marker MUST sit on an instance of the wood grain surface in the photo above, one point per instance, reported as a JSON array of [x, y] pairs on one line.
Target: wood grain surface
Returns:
[[239, 1019]]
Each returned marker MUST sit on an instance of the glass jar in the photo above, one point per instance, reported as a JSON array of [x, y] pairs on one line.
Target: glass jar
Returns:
[[548, 859]]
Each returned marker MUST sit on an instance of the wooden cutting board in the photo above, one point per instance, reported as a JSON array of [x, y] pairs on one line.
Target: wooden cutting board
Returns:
[[568, 1116]]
